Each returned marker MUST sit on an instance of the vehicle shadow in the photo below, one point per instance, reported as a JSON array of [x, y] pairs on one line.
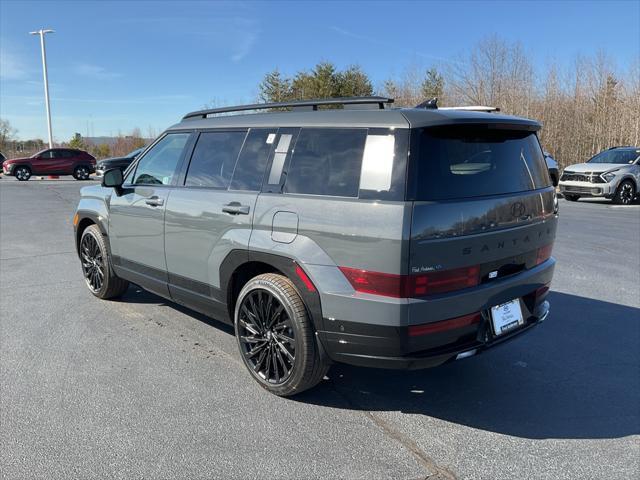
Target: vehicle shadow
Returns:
[[575, 376]]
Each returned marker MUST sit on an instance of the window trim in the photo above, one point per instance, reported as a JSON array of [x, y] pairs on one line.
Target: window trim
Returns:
[[278, 187]]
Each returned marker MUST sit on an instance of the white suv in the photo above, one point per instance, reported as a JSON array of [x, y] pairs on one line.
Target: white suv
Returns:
[[613, 173]]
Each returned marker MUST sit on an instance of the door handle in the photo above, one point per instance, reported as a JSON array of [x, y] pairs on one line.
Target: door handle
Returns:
[[154, 201], [234, 208]]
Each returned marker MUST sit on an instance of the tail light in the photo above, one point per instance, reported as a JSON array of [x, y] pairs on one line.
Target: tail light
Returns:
[[443, 326], [544, 253], [405, 286]]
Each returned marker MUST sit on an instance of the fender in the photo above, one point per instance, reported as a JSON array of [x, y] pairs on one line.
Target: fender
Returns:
[[287, 265]]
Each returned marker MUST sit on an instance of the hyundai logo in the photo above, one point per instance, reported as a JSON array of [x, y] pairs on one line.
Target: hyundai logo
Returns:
[[518, 209]]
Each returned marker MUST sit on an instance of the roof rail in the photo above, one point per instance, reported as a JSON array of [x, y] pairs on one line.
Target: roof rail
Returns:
[[295, 104]]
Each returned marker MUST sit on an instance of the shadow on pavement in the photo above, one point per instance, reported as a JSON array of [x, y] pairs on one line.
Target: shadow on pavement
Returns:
[[575, 376]]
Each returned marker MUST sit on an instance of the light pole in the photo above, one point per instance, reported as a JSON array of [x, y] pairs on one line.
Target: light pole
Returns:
[[42, 32]]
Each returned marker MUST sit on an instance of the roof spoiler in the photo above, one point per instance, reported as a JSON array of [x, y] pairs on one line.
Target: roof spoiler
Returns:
[[432, 104], [356, 102]]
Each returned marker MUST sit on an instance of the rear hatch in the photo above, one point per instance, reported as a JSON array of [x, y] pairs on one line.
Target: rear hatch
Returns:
[[484, 212]]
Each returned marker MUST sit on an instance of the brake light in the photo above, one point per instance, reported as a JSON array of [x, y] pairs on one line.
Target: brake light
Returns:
[[405, 286], [544, 253], [443, 326]]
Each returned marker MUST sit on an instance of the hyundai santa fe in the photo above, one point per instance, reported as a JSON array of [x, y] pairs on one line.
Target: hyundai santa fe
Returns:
[[369, 235]]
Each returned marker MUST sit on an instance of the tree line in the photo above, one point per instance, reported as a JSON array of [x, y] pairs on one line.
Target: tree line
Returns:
[[584, 107]]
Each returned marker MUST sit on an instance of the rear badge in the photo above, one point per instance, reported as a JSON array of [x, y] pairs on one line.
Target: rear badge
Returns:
[[493, 274]]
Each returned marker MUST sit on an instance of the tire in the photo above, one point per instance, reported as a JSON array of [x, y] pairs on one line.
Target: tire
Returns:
[[22, 173], [96, 266], [269, 312], [625, 193], [571, 198], [81, 172]]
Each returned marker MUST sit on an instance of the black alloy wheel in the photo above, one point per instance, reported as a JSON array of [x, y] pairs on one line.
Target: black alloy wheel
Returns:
[[92, 262], [266, 336], [625, 193]]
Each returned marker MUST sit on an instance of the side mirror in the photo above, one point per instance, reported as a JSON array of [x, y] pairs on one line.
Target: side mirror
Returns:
[[113, 179]]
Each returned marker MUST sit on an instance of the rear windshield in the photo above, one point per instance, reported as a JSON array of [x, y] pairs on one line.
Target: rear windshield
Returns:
[[462, 162]]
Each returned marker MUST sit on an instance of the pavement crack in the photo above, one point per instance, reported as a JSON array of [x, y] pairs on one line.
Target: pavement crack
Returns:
[[435, 471]]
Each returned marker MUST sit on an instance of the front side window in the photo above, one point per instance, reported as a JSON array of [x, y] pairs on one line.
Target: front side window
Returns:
[[327, 161], [214, 159], [158, 166], [462, 162]]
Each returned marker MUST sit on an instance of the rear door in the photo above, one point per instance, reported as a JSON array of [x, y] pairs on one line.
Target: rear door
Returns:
[[484, 208], [49, 162], [210, 212], [136, 218]]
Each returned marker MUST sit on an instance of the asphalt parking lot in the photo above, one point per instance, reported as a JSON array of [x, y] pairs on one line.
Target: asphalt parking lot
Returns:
[[142, 388]]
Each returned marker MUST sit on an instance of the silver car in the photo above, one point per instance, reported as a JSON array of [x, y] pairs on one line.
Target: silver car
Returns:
[[369, 235], [613, 174]]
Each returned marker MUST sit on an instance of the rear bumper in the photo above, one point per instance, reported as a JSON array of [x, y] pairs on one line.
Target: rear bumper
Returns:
[[433, 357], [392, 346]]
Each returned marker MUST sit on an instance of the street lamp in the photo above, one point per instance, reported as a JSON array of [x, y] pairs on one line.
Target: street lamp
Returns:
[[42, 32]]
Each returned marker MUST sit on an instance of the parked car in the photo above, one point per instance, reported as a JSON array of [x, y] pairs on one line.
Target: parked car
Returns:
[[321, 240], [612, 173], [117, 162], [2, 157], [552, 165], [53, 161]]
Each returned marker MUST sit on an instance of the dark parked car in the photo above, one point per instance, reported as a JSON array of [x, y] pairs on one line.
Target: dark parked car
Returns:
[[117, 162], [552, 165], [53, 161]]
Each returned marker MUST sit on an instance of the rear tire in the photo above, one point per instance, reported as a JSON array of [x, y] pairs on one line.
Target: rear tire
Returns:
[[22, 173], [625, 193], [96, 266], [81, 172], [571, 198], [275, 336]]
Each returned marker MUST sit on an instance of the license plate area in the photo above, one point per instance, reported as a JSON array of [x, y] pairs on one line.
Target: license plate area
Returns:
[[506, 317]]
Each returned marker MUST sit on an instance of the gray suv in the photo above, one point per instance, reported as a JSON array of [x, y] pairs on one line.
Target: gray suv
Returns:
[[363, 234]]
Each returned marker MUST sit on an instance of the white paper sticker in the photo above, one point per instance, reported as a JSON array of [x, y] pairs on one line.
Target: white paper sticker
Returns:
[[377, 163], [271, 138]]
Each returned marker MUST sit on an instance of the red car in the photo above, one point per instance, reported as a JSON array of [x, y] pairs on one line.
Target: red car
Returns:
[[53, 161]]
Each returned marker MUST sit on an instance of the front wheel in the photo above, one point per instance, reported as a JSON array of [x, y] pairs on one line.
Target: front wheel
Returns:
[[81, 173], [275, 336], [23, 173], [571, 198], [625, 193], [98, 274]]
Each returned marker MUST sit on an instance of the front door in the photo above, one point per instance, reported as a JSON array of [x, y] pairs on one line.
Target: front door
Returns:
[[136, 218], [210, 213]]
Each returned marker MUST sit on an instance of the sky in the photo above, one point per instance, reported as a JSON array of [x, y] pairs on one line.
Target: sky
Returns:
[[116, 65]]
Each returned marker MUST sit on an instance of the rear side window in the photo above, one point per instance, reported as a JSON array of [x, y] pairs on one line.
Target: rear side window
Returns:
[[214, 159], [462, 162], [253, 160], [326, 162]]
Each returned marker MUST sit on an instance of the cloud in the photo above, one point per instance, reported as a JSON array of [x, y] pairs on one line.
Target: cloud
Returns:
[[11, 66], [364, 38], [248, 32], [94, 71]]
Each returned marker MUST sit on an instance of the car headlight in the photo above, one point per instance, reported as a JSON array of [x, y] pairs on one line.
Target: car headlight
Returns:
[[607, 177]]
